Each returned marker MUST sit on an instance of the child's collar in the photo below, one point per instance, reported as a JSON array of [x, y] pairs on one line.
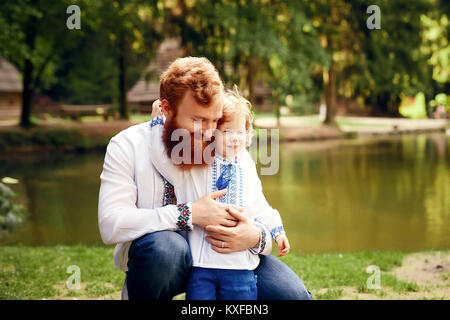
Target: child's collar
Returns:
[[235, 160]]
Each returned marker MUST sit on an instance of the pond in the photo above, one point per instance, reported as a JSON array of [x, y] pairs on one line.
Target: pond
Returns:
[[386, 193]]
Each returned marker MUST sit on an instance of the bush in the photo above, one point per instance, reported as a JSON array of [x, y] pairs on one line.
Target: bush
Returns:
[[56, 137], [11, 215], [14, 139]]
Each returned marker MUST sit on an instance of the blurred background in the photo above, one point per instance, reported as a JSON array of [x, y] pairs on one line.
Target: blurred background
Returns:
[[362, 112]]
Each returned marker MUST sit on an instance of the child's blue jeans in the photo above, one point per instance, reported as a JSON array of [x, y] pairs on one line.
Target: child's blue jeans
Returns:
[[221, 284]]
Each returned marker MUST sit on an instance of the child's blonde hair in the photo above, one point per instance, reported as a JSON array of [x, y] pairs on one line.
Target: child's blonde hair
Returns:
[[236, 104]]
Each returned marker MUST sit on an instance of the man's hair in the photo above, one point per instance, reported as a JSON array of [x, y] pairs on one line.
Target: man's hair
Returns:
[[236, 105], [194, 73]]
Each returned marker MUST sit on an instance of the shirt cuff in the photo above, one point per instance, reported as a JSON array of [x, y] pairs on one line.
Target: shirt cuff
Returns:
[[262, 242], [277, 231], [157, 121], [184, 220]]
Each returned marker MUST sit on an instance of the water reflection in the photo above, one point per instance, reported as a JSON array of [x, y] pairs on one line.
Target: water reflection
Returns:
[[61, 196], [366, 194]]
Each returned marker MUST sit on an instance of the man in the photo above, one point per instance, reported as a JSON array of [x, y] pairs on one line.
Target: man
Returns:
[[138, 211]]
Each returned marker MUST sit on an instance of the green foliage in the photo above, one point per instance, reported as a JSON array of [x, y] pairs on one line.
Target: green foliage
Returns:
[[56, 137], [393, 63], [414, 110], [286, 45], [11, 215], [252, 42]]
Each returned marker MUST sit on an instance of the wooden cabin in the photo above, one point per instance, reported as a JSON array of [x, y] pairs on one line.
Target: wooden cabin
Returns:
[[10, 91], [146, 90]]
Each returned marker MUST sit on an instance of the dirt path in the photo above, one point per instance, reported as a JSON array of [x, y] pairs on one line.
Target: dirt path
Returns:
[[429, 271]]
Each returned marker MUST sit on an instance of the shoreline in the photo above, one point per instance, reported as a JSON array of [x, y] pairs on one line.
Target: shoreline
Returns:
[[95, 136]]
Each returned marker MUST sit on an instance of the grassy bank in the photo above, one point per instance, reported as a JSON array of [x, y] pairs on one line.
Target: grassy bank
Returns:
[[57, 138], [41, 273]]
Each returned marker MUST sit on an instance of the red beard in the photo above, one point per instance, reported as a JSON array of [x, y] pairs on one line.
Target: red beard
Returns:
[[198, 145]]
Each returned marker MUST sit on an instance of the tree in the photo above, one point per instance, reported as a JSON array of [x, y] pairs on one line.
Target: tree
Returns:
[[259, 40], [335, 23], [34, 36], [391, 61], [130, 25]]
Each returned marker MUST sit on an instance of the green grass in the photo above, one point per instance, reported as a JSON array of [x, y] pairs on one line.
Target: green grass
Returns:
[[33, 272], [41, 272], [330, 270]]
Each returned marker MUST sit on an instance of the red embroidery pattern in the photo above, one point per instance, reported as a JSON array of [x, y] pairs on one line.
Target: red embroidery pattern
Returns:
[[184, 217]]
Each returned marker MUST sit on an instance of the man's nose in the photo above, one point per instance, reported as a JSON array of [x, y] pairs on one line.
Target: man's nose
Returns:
[[208, 133]]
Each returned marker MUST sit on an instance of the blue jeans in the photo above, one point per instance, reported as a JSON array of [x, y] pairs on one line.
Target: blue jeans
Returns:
[[159, 264], [221, 284]]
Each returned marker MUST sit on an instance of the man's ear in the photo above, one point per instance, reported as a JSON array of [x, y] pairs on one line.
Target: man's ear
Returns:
[[166, 109]]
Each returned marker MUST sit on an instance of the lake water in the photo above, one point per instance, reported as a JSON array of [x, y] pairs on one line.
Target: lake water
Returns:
[[390, 193]]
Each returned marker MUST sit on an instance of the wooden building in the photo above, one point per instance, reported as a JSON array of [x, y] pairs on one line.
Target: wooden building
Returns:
[[10, 91], [146, 90]]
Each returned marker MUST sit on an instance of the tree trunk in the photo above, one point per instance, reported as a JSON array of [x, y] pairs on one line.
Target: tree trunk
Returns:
[[27, 95], [277, 108], [124, 109], [251, 69], [28, 89], [330, 97], [330, 82]]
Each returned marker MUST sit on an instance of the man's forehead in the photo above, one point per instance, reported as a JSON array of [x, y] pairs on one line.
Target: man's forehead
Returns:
[[214, 109]]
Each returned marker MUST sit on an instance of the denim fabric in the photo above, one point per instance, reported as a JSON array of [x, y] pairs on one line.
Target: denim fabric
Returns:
[[159, 267], [221, 284]]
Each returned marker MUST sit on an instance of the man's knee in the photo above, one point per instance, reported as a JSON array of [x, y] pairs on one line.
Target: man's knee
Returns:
[[276, 281], [158, 265], [166, 248]]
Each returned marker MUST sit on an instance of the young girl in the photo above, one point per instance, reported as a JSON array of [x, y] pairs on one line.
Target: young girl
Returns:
[[217, 276]]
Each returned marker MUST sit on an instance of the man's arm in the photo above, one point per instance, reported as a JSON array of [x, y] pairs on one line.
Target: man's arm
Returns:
[[120, 220], [118, 217]]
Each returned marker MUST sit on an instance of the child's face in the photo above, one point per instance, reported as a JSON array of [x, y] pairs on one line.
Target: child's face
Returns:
[[233, 136]]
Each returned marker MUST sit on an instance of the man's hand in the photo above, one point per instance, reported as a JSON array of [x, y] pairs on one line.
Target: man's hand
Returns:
[[237, 238], [207, 211]]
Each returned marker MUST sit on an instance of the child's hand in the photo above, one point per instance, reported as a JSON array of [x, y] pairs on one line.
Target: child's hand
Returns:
[[156, 109], [283, 244]]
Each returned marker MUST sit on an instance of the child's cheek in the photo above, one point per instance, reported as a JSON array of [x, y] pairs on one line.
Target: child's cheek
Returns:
[[228, 140], [243, 140]]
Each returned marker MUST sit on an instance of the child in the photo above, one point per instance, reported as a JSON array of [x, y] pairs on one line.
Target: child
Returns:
[[215, 275]]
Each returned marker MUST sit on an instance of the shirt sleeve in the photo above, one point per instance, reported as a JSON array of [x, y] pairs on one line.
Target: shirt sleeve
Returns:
[[160, 159], [267, 215], [119, 218]]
